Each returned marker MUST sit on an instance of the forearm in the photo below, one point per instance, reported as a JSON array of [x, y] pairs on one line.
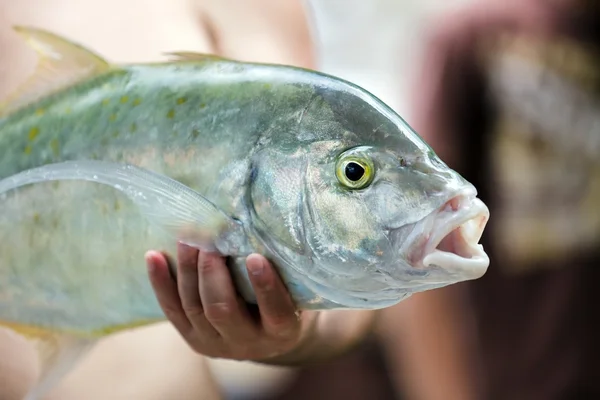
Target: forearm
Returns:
[[430, 344], [333, 334]]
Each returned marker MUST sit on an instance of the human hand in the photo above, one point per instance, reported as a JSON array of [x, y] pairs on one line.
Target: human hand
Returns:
[[215, 321]]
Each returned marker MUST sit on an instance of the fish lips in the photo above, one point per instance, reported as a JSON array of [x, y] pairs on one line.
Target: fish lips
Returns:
[[453, 243], [444, 248]]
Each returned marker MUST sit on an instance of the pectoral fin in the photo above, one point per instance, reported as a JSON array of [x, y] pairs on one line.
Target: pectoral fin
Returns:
[[167, 203]]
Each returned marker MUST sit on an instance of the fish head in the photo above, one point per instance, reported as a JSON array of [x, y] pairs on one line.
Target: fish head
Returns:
[[403, 216], [368, 202]]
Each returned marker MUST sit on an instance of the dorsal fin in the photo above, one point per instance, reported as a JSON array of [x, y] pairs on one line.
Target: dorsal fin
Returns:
[[191, 56], [61, 63]]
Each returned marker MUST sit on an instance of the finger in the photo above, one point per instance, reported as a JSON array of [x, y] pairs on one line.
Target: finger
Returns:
[[165, 290], [277, 310], [222, 306], [189, 291]]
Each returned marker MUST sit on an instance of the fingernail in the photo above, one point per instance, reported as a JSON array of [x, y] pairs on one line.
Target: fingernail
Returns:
[[151, 267], [255, 264], [150, 261]]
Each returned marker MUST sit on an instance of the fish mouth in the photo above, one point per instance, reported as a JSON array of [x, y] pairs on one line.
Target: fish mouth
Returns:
[[453, 244]]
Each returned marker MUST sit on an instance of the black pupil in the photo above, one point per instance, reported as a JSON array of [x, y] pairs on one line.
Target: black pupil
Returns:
[[354, 171]]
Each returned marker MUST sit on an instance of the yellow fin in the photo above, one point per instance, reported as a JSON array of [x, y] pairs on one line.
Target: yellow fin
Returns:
[[191, 56], [61, 63], [58, 353]]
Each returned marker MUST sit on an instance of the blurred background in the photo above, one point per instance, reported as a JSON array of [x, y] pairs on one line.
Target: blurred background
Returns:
[[507, 92], [377, 44]]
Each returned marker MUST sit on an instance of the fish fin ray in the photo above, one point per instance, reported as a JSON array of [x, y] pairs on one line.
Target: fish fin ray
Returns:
[[182, 212], [61, 63]]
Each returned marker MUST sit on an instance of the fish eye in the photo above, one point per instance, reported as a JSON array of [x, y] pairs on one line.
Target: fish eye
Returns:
[[355, 172]]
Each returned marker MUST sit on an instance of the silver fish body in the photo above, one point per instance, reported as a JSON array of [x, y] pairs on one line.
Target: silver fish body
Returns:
[[318, 175]]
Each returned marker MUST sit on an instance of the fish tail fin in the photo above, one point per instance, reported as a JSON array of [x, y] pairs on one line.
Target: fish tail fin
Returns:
[[58, 354]]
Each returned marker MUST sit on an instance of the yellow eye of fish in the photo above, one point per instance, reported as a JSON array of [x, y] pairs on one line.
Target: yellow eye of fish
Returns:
[[355, 173]]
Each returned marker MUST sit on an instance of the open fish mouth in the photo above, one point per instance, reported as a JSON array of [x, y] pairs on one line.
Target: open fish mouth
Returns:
[[453, 244]]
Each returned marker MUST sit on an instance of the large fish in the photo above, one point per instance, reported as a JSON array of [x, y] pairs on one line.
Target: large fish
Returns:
[[102, 162]]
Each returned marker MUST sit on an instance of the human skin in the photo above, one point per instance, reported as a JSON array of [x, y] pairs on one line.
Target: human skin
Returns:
[[152, 362], [206, 310]]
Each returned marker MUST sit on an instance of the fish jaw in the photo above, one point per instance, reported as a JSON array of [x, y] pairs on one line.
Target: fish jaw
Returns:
[[452, 244]]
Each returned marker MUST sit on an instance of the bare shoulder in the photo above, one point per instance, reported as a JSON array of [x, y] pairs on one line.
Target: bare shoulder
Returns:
[[259, 30]]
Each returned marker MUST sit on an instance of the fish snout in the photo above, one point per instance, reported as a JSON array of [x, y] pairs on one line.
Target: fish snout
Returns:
[[453, 242]]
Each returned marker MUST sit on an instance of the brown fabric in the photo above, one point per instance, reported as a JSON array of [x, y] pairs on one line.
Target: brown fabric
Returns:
[[515, 90]]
